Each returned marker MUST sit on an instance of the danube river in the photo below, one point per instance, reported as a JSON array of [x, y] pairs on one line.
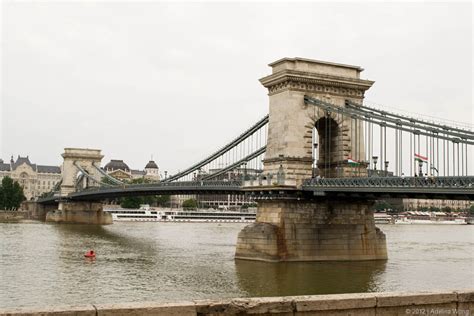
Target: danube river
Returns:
[[43, 264]]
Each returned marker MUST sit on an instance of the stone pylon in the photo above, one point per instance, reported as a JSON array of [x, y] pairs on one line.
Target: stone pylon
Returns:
[[84, 158], [84, 212], [291, 122], [301, 228]]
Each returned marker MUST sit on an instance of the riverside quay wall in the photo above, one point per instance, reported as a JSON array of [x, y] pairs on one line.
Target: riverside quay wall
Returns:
[[389, 303]]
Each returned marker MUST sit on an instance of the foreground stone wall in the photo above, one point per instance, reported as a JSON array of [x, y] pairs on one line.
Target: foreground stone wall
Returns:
[[391, 303], [300, 230]]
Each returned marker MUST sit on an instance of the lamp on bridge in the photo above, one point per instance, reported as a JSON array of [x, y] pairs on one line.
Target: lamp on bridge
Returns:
[[386, 168], [420, 168], [375, 159]]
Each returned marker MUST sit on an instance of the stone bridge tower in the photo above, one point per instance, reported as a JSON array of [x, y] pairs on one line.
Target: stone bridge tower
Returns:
[[75, 158], [85, 212], [297, 227], [291, 124]]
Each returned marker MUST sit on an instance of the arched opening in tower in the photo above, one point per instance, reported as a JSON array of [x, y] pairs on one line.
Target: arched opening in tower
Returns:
[[326, 148]]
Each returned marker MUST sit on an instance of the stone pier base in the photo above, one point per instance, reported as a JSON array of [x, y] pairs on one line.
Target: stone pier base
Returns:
[[79, 213], [302, 230]]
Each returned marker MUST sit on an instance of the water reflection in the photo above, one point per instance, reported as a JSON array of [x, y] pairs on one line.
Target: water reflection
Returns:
[[304, 278]]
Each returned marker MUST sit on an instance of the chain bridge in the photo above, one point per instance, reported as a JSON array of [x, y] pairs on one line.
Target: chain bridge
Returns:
[[315, 164]]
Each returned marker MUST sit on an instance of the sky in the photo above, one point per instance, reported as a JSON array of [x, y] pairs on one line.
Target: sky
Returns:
[[176, 81]]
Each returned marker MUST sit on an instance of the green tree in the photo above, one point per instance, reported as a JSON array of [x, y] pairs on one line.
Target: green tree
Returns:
[[136, 201], [11, 194], [190, 203], [131, 202], [163, 200], [382, 205], [447, 209], [471, 210]]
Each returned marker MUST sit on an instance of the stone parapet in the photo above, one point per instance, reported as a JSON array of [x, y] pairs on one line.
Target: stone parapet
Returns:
[[389, 303]]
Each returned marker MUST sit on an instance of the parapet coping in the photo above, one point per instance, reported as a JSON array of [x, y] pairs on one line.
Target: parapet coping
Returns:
[[463, 300], [315, 61]]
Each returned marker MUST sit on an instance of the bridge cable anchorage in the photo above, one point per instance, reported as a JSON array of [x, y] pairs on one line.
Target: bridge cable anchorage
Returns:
[[229, 149], [88, 176], [105, 174]]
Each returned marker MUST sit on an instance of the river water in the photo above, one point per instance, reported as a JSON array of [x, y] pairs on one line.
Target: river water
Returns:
[[43, 264]]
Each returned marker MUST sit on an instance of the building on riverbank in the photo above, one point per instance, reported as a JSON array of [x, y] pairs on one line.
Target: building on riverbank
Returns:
[[34, 179], [118, 169]]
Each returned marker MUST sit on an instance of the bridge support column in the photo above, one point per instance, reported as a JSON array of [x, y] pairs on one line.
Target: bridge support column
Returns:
[[79, 213], [305, 230]]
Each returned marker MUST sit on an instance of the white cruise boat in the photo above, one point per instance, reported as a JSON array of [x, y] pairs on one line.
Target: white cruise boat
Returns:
[[429, 218], [457, 221], [383, 218], [147, 214]]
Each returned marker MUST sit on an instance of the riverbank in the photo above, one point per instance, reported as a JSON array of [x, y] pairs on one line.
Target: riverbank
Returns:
[[385, 303], [13, 216]]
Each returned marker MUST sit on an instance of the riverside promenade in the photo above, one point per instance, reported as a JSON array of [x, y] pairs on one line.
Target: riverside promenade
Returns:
[[385, 303]]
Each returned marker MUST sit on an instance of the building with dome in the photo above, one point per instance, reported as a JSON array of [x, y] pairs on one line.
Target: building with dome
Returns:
[[121, 171], [152, 172]]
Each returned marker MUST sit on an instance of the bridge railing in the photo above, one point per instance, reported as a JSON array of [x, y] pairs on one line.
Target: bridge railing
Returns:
[[444, 182], [180, 184]]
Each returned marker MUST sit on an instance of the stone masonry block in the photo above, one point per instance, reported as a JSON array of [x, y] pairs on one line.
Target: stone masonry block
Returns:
[[147, 308], [86, 310], [335, 302], [407, 299]]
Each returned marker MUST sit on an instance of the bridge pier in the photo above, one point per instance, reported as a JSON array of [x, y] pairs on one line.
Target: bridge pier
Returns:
[[79, 213], [310, 230]]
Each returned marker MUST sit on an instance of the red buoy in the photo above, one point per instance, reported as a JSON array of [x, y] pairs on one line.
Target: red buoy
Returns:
[[90, 254]]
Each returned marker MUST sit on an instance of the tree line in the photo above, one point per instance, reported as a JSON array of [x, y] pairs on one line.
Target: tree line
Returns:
[[11, 194]]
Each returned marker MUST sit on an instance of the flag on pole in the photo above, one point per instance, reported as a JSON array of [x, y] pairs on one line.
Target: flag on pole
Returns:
[[352, 162], [421, 158]]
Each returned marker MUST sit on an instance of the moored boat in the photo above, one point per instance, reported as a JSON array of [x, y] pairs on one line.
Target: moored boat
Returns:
[[147, 214]]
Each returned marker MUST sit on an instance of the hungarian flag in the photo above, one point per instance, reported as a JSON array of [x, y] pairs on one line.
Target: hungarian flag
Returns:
[[352, 162], [421, 158]]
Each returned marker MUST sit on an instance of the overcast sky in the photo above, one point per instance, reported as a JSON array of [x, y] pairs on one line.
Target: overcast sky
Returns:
[[177, 81]]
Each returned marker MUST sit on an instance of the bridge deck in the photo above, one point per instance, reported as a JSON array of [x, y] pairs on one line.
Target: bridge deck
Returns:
[[371, 187]]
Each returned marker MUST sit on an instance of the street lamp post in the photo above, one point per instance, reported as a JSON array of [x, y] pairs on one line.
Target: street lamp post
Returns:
[[420, 168], [375, 159], [386, 168]]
